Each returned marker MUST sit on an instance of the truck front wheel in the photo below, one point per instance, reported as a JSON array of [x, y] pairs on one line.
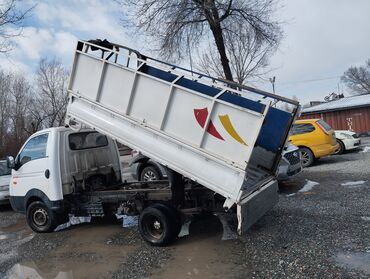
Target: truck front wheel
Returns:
[[40, 218]]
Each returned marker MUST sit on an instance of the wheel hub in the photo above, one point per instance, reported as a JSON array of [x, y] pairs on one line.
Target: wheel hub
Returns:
[[157, 225], [150, 176], [40, 217]]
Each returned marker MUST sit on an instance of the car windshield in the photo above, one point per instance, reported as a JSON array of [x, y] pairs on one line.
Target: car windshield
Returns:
[[4, 170]]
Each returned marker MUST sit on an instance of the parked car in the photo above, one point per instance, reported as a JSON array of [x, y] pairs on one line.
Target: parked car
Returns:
[[146, 169], [137, 167], [315, 139], [143, 168], [347, 140], [290, 163], [5, 174]]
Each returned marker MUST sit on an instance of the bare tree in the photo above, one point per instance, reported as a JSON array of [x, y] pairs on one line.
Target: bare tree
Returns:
[[18, 110], [358, 79], [247, 56], [179, 24], [11, 19], [52, 98], [4, 108]]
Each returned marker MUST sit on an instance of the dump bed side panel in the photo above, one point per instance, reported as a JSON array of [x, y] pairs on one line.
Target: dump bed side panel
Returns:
[[204, 130]]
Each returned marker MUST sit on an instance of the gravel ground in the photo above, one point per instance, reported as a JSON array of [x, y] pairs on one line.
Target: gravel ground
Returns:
[[322, 232]]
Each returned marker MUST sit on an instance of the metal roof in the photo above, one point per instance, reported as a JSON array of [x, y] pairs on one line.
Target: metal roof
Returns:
[[344, 103]]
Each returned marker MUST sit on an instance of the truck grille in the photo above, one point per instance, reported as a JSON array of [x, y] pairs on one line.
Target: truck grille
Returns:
[[293, 157]]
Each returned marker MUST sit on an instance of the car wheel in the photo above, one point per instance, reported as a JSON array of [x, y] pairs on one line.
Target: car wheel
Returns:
[[341, 148], [40, 218], [155, 226], [307, 157], [150, 173]]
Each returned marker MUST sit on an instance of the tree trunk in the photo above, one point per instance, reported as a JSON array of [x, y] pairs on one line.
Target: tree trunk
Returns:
[[213, 19], [219, 40]]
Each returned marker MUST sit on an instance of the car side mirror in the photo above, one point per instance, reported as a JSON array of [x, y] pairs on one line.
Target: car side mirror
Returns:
[[10, 162]]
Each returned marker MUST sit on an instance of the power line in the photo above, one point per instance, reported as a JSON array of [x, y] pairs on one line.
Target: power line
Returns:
[[309, 80]]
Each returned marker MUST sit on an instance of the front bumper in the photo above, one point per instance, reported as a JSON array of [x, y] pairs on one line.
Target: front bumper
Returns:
[[350, 144]]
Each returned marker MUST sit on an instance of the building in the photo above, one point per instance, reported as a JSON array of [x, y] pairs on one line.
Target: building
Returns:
[[349, 113]]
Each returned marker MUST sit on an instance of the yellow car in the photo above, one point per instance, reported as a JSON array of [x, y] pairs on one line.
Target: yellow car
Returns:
[[315, 139]]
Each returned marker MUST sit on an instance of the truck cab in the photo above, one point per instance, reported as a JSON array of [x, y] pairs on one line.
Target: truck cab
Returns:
[[55, 163]]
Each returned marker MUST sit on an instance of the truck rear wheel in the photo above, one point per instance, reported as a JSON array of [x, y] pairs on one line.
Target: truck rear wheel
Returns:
[[156, 226], [175, 217], [40, 218]]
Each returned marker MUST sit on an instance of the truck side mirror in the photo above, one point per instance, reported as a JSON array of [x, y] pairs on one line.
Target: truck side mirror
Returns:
[[10, 162]]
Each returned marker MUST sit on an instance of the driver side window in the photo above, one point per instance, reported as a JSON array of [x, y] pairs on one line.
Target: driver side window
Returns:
[[34, 149]]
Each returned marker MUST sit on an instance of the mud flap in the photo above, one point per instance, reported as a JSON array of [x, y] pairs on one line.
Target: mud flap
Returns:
[[253, 207]]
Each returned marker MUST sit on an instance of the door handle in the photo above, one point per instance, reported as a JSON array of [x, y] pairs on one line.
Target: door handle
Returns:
[[47, 173]]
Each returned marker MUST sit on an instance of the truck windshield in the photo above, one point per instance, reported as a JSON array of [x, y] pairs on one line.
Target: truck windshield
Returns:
[[86, 140]]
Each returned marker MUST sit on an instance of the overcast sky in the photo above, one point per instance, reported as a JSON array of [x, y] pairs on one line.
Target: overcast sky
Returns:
[[322, 39]]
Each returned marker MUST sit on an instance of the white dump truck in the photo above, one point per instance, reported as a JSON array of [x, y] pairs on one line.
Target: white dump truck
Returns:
[[226, 139]]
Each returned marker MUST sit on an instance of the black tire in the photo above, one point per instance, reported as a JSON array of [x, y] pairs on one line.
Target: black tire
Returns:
[[40, 218], [341, 147], [307, 157], [173, 214], [156, 226], [150, 173]]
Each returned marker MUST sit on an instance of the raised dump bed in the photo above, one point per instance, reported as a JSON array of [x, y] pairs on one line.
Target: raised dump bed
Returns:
[[225, 136]]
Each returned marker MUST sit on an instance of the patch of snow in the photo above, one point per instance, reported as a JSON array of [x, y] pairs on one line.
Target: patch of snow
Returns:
[[354, 184], [366, 149], [73, 220], [308, 186], [291, 195], [130, 221]]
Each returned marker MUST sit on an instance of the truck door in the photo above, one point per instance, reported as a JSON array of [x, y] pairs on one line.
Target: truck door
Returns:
[[32, 165]]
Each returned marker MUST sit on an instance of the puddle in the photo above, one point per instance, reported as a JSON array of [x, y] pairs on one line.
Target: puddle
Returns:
[[11, 237], [201, 254], [31, 270], [358, 261], [86, 253], [16, 235]]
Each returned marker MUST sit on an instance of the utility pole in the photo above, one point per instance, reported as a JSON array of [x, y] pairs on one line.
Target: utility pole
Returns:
[[272, 80]]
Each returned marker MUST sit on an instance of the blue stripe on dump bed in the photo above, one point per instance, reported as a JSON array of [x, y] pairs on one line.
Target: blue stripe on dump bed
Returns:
[[204, 89], [273, 130], [242, 102], [199, 87], [158, 73]]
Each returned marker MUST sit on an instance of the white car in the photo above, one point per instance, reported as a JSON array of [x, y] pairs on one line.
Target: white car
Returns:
[[347, 140], [290, 163], [5, 174]]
